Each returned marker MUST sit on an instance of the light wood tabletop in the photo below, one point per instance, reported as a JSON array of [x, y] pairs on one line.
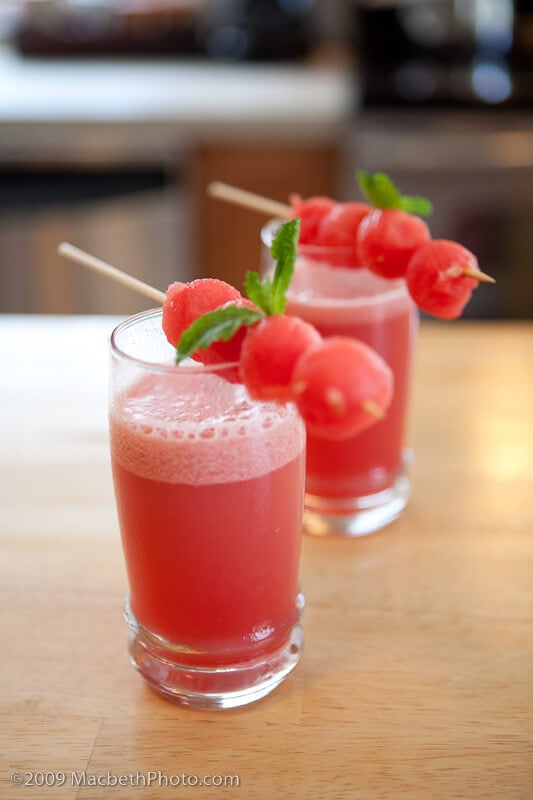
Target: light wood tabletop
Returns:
[[417, 676]]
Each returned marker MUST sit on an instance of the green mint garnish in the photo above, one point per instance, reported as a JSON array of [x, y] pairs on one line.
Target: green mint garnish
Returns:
[[283, 251], [382, 193], [259, 292], [215, 326], [268, 295]]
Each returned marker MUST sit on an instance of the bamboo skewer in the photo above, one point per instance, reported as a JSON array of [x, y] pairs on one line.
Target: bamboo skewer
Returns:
[[257, 202], [240, 197], [72, 253], [373, 409], [222, 191], [456, 271], [86, 260], [478, 275]]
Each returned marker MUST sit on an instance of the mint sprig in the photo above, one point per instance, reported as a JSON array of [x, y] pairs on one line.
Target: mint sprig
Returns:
[[215, 326], [259, 291], [382, 193], [268, 295]]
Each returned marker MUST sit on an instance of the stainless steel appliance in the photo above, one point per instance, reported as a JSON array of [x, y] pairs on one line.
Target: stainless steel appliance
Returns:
[[478, 171], [446, 90], [133, 217], [445, 53]]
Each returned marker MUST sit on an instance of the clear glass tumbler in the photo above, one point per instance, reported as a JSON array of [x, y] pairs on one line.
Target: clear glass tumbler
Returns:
[[209, 489], [359, 485]]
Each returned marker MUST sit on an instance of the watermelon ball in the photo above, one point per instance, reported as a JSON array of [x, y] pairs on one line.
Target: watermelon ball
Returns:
[[230, 351], [338, 229], [185, 302], [436, 278], [270, 352], [311, 212], [341, 387], [387, 238]]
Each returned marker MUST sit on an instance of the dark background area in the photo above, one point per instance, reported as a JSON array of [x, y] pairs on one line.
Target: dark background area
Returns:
[[442, 99]]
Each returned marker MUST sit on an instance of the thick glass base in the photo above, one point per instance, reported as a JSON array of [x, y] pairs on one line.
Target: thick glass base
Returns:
[[226, 686], [357, 516]]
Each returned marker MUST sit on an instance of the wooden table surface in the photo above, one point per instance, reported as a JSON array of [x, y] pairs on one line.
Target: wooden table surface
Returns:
[[417, 677]]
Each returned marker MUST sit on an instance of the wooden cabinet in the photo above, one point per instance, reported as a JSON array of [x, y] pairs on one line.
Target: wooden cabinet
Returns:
[[227, 237]]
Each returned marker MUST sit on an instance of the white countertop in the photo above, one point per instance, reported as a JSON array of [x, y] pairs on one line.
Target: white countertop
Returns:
[[146, 106]]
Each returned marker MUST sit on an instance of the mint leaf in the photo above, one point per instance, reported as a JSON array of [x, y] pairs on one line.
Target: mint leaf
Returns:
[[260, 293], [416, 204], [379, 189], [283, 250], [269, 295], [215, 326], [382, 193]]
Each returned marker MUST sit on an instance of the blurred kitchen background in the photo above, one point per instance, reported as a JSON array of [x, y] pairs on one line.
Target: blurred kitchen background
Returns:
[[115, 114]]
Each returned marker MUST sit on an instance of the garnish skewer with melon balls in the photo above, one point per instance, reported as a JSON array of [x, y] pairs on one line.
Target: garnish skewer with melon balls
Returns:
[[387, 235], [341, 386]]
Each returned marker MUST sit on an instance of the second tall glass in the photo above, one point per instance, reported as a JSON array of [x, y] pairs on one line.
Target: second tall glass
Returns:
[[359, 485]]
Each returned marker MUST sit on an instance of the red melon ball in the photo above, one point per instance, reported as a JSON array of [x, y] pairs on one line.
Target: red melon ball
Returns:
[[436, 280], [387, 238], [270, 352], [311, 211], [341, 387], [185, 302], [338, 231]]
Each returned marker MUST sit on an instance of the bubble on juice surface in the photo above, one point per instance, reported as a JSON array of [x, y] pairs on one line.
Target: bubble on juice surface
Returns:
[[200, 429]]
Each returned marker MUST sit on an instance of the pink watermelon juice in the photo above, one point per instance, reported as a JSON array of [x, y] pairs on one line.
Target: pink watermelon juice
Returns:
[[209, 489], [379, 312]]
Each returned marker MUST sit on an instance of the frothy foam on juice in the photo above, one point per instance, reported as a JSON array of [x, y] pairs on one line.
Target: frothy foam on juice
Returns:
[[319, 291], [200, 429]]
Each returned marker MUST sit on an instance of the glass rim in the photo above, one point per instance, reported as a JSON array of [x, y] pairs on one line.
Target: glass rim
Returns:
[[393, 287], [315, 249], [156, 366]]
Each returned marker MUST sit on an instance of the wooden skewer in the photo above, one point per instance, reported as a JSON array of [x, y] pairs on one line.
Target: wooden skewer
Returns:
[[372, 408], [257, 202], [240, 197], [456, 271], [86, 260], [478, 275]]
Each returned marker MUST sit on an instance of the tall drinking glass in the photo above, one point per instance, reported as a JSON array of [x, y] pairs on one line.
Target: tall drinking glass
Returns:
[[209, 490], [359, 485]]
